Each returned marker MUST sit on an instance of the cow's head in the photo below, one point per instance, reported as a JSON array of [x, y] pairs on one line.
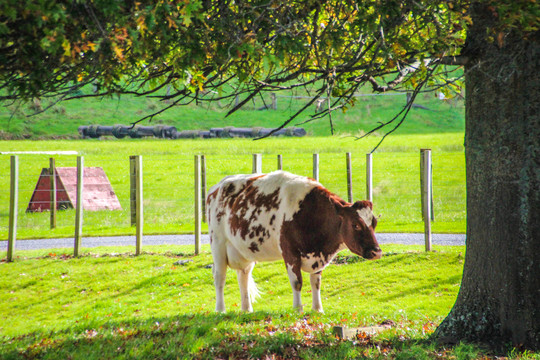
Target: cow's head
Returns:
[[358, 229]]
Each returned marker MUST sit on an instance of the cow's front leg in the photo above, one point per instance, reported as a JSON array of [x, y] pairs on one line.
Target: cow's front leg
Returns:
[[295, 278], [315, 280]]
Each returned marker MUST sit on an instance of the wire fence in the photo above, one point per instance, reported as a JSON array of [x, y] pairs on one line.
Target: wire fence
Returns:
[[168, 188]]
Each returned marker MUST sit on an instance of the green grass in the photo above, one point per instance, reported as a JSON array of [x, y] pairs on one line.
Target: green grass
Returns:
[[107, 305], [168, 178], [63, 119]]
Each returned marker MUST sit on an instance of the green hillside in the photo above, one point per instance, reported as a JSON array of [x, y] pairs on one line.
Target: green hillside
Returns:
[[63, 119]]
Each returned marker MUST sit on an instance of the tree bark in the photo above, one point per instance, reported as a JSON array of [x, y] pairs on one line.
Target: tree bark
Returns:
[[499, 299]]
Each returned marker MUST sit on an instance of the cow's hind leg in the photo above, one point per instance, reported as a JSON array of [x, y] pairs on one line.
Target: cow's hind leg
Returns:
[[247, 286], [315, 280], [295, 278], [219, 269]]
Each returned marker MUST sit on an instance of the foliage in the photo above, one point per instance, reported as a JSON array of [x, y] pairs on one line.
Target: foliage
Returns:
[[522, 16], [330, 47], [225, 48]]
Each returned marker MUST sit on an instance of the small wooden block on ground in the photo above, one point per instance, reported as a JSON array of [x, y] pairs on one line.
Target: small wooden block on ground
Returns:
[[351, 333]]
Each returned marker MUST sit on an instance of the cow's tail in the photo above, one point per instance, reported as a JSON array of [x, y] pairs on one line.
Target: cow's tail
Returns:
[[253, 291]]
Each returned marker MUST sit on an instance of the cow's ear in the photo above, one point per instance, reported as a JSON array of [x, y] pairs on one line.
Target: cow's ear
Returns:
[[363, 204], [340, 205]]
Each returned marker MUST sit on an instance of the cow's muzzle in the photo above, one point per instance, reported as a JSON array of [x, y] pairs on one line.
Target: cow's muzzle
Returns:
[[373, 254]]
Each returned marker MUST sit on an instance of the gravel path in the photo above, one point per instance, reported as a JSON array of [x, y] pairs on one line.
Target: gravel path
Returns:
[[87, 242]]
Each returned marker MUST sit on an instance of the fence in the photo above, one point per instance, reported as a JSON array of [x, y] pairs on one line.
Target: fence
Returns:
[[174, 189]]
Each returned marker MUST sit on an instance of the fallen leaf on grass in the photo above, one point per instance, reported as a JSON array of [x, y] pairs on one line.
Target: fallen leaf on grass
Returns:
[[89, 334]]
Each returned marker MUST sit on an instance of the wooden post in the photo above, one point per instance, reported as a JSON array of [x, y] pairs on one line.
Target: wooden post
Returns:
[[257, 164], [79, 206], [409, 97], [197, 204], [426, 183], [369, 177], [13, 207], [280, 162], [316, 167], [139, 224], [52, 179], [349, 178], [352, 333], [132, 189], [274, 101], [203, 187]]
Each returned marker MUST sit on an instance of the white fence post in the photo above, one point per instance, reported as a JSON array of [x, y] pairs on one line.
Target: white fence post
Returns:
[[369, 177], [257, 164], [316, 167], [197, 204], [79, 206], [280, 162], [426, 187], [13, 207]]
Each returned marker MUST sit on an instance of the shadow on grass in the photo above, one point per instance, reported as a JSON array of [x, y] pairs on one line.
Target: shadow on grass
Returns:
[[259, 335]]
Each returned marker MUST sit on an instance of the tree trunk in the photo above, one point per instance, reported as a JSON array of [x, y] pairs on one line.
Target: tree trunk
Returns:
[[499, 299]]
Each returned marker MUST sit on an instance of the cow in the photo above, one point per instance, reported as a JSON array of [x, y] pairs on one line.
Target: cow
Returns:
[[268, 217]]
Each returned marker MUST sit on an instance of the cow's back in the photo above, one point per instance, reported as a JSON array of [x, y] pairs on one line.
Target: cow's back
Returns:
[[247, 211]]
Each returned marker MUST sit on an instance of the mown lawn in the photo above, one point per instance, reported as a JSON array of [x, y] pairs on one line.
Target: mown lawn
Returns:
[[168, 178], [113, 305]]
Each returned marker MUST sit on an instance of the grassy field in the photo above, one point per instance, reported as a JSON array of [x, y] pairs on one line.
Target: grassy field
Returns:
[[63, 119], [110, 305], [168, 178]]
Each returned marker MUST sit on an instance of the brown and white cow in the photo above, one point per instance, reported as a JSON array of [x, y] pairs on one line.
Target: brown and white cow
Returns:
[[267, 217]]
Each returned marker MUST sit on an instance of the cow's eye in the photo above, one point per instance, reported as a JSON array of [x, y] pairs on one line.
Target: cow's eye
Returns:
[[357, 227]]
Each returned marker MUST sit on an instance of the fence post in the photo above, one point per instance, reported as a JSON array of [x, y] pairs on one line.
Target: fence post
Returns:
[[133, 189], [279, 162], [257, 164], [139, 223], [369, 177], [197, 204], [349, 178], [52, 179], [409, 97], [426, 183], [203, 187], [13, 207], [316, 167], [274, 101], [79, 206]]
